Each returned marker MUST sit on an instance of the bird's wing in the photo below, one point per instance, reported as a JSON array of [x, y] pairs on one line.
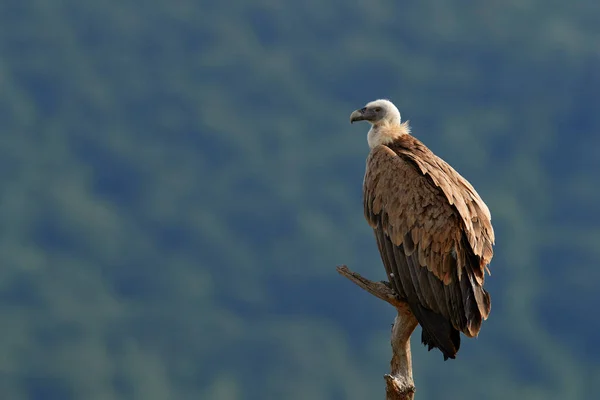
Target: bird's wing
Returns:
[[473, 212]]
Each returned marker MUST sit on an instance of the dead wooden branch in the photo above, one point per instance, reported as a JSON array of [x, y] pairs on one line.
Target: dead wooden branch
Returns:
[[399, 383]]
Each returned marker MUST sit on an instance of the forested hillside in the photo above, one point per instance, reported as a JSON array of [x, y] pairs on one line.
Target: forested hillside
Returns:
[[180, 179]]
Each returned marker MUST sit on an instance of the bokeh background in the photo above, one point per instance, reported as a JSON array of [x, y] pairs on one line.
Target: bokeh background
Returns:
[[179, 181]]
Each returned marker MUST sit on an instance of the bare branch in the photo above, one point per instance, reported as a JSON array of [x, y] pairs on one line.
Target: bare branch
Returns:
[[381, 290], [399, 383]]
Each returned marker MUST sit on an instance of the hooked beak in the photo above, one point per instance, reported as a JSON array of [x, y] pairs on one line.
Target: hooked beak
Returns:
[[359, 115]]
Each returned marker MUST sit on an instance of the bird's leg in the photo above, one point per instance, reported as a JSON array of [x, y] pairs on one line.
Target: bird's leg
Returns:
[[399, 383]]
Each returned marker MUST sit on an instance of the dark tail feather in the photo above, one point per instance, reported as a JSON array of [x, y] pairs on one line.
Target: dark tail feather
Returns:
[[437, 331]]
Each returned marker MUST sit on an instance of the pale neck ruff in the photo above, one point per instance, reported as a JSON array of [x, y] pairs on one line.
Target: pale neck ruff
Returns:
[[385, 134]]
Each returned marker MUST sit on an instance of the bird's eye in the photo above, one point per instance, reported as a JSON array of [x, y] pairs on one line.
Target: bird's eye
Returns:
[[377, 109]]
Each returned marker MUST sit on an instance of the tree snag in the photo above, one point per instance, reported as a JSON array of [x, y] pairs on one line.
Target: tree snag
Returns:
[[399, 383]]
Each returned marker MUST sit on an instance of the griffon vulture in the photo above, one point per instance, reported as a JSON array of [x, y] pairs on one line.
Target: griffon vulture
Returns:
[[433, 230]]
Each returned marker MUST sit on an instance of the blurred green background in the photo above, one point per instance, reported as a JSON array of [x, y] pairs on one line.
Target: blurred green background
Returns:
[[179, 181]]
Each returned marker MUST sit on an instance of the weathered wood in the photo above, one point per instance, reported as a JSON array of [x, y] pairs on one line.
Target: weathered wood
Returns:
[[399, 383]]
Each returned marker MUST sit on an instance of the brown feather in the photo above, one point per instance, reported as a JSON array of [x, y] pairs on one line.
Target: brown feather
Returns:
[[435, 237]]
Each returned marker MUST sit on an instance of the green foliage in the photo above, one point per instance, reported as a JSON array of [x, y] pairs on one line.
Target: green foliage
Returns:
[[180, 179]]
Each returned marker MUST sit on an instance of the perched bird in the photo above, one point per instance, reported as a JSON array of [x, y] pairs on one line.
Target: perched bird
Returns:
[[433, 231]]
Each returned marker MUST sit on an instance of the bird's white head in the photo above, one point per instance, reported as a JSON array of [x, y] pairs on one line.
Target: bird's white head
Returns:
[[385, 120]]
